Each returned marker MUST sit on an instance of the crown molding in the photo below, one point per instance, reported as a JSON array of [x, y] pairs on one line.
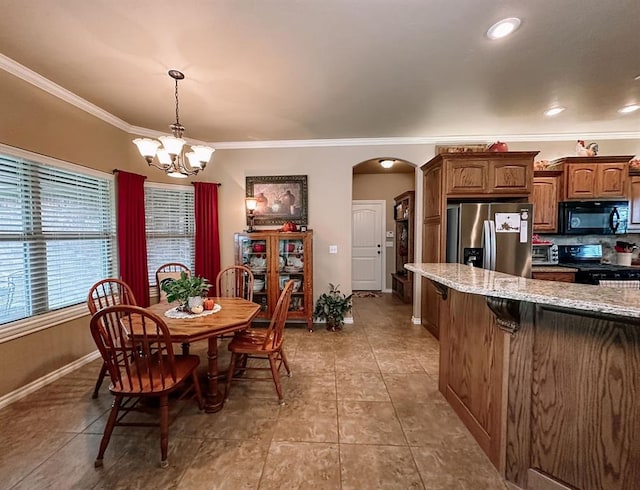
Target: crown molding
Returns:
[[424, 140], [37, 80]]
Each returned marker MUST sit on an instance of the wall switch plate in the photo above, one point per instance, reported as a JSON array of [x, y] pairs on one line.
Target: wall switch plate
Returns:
[[390, 234], [333, 249]]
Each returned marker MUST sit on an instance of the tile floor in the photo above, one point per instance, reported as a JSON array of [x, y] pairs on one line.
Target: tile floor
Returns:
[[363, 412]]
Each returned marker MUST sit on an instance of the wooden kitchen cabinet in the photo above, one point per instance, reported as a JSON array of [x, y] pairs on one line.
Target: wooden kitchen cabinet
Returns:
[[634, 203], [553, 276], [275, 257], [479, 174], [594, 177], [482, 176], [545, 197]]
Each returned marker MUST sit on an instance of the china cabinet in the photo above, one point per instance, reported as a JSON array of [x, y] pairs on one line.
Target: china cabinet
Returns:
[[401, 279], [276, 257]]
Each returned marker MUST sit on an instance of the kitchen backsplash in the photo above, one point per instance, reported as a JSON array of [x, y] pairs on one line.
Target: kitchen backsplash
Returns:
[[608, 242]]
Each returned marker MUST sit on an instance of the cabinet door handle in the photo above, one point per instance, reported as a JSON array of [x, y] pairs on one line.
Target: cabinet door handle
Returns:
[[378, 245], [378, 252]]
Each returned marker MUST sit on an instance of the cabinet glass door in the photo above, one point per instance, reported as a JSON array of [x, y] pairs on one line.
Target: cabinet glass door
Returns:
[[255, 257], [291, 251]]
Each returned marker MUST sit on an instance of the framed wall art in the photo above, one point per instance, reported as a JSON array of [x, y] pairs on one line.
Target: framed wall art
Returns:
[[281, 198]]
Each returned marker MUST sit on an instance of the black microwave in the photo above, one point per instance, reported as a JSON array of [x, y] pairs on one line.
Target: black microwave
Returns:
[[593, 217]]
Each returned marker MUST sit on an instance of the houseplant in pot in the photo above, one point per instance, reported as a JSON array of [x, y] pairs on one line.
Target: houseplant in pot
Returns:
[[188, 290], [331, 307]]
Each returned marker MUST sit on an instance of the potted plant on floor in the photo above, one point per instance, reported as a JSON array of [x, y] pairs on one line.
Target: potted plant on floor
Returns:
[[331, 307], [188, 290]]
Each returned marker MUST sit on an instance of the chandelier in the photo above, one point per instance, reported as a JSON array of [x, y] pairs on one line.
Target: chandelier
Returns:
[[169, 153]]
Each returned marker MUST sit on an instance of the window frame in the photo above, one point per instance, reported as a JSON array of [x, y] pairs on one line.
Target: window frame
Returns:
[[25, 326]]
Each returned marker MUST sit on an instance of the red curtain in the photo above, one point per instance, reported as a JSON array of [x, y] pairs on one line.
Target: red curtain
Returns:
[[207, 233], [132, 242]]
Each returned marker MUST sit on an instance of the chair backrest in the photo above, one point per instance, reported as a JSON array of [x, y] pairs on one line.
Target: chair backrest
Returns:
[[109, 292], [141, 363], [169, 272], [275, 331], [235, 281]]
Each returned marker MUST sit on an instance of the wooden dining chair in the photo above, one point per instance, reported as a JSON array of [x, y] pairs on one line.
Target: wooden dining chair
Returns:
[[169, 272], [136, 347], [262, 344], [108, 292], [235, 281]]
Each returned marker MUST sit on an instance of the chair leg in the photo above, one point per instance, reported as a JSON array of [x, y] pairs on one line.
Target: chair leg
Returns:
[[284, 361], [111, 423], [164, 430], [185, 349], [276, 377], [196, 386], [103, 373], [232, 367]]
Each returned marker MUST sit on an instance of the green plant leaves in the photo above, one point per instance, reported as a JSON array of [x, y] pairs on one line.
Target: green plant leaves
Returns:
[[185, 287], [332, 306]]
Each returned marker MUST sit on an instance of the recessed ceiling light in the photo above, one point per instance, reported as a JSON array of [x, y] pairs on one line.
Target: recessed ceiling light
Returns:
[[554, 111], [387, 163], [503, 28], [629, 108]]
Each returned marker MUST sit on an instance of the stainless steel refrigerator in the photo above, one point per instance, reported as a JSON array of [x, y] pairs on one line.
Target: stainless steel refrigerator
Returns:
[[495, 236]]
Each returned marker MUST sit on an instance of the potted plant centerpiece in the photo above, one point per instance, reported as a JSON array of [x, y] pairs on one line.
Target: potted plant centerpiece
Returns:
[[188, 290], [332, 307]]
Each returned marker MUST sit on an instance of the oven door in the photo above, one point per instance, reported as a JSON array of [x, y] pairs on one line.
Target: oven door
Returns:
[[593, 218]]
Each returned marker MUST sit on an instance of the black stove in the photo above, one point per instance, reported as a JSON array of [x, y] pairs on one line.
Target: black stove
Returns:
[[586, 258]]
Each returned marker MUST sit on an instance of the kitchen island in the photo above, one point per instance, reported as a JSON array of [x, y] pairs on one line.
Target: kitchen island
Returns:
[[545, 375]]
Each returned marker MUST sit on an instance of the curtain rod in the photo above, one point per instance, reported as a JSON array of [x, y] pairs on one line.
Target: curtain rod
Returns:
[[116, 170]]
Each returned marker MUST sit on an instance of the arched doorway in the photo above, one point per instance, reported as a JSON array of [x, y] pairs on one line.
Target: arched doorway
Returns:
[[373, 184]]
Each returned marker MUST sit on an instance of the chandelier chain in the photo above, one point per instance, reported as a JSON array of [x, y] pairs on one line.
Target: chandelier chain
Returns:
[[177, 102]]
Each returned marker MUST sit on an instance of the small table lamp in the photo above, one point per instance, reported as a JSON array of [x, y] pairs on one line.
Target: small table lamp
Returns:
[[251, 203]]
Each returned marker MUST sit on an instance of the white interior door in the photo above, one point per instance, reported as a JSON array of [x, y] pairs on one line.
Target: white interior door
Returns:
[[367, 254]]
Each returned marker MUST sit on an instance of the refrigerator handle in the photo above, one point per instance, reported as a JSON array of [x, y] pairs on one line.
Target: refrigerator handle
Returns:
[[486, 245], [492, 228]]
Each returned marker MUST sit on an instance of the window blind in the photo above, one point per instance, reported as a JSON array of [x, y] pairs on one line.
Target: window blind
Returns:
[[170, 226], [57, 236]]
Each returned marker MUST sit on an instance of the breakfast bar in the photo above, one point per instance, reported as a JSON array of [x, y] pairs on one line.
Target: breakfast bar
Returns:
[[545, 375]]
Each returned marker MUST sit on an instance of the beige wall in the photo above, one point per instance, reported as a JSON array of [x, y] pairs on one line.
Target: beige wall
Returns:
[[384, 187], [36, 121]]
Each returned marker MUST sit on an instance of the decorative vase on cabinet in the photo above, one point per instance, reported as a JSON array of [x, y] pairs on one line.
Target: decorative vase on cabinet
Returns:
[[276, 257]]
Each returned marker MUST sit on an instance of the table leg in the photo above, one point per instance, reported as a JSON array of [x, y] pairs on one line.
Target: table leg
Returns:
[[214, 399]]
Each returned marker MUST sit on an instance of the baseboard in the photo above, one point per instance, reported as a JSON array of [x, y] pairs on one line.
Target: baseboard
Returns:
[[388, 290], [25, 390], [416, 320]]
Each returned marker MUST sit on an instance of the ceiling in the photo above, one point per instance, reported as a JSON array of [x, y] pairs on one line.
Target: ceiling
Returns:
[[277, 70]]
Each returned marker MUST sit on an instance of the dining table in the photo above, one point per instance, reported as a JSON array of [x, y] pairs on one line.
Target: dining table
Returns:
[[229, 315]]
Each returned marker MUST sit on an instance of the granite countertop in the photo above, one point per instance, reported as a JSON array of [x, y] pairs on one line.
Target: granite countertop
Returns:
[[614, 301], [552, 268]]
